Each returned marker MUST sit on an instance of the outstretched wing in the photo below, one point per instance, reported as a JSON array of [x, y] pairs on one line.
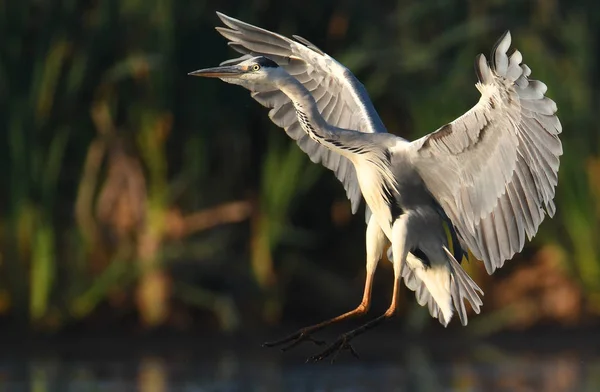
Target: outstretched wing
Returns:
[[341, 98], [494, 169]]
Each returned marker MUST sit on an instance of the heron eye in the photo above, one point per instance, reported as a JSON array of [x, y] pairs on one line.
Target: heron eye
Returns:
[[255, 67]]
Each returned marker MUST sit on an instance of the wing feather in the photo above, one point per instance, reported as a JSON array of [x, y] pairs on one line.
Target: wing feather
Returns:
[[494, 170], [342, 100]]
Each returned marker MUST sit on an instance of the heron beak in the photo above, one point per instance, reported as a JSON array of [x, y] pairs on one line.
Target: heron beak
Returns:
[[230, 71]]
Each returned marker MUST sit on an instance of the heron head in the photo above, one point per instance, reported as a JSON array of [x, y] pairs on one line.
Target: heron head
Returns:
[[251, 73]]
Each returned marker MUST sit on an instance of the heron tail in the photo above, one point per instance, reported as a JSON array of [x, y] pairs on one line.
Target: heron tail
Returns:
[[462, 287], [443, 287]]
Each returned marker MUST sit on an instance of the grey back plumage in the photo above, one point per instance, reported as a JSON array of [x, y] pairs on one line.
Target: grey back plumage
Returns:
[[341, 98], [494, 169]]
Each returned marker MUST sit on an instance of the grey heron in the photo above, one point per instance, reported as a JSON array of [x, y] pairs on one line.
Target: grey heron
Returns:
[[489, 176]]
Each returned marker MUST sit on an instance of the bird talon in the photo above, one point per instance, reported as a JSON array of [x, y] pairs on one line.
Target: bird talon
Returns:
[[342, 343], [353, 352], [295, 339]]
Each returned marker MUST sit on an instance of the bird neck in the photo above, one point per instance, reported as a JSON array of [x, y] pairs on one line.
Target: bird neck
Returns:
[[304, 103], [371, 160]]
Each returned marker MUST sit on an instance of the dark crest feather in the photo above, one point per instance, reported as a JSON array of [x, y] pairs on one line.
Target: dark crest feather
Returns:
[[266, 62]]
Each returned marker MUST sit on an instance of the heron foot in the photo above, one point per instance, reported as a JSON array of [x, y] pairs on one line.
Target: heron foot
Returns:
[[342, 343], [303, 335]]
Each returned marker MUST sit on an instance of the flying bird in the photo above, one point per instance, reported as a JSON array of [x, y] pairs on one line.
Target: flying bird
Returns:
[[489, 176]]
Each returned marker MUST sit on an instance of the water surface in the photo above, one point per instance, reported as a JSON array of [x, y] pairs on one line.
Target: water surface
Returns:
[[554, 364]]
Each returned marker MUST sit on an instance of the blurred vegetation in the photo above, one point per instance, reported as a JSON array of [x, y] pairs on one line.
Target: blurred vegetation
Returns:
[[130, 189]]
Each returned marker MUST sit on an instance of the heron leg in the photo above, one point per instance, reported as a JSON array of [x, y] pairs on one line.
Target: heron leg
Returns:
[[400, 252], [376, 241]]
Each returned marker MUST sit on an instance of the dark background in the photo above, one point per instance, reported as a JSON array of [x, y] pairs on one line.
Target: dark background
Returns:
[[137, 202]]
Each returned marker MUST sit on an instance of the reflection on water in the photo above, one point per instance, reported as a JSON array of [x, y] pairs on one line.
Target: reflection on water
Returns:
[[484, 368]]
